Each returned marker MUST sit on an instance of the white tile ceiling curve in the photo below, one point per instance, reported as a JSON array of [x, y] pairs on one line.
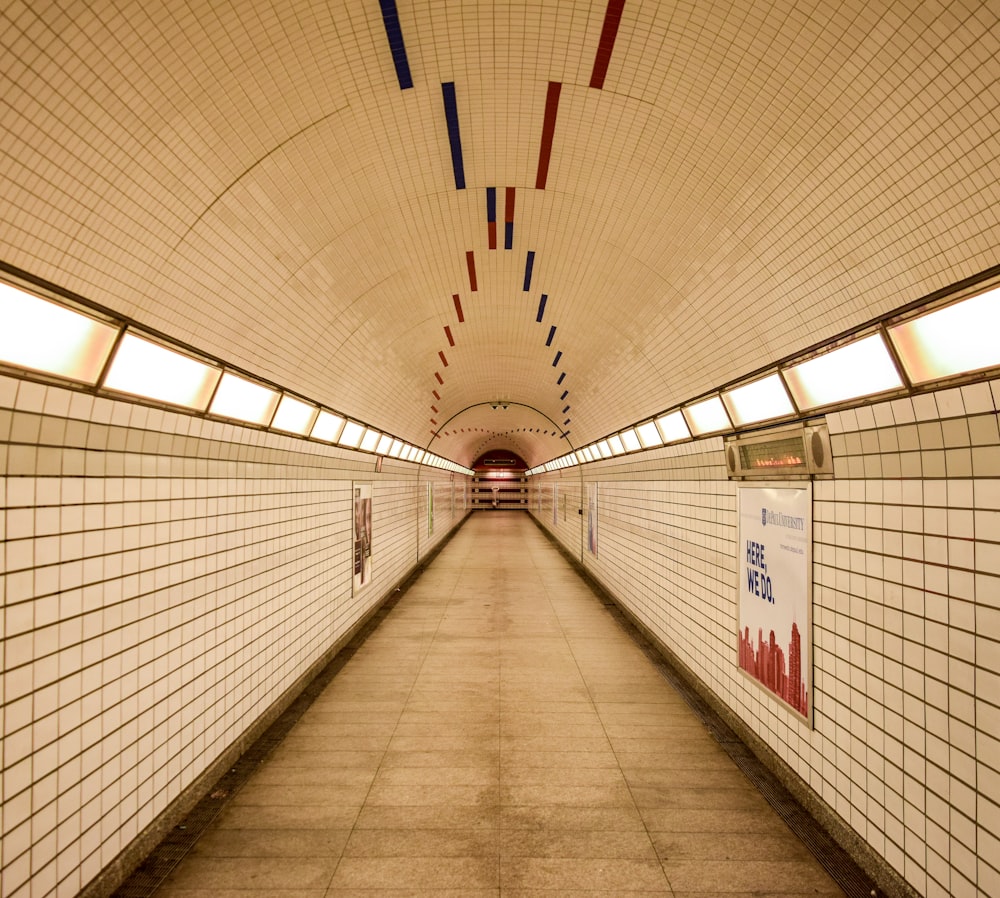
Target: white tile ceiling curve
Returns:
[[251, 179]]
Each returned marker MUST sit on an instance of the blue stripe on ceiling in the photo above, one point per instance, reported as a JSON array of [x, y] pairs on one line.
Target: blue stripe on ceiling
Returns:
[[491, 204], [454, 137], [552, 333], [508, 235], [528, 265], [564, 395], [541, 307], [555, 361], [562, 377], [394, 32]]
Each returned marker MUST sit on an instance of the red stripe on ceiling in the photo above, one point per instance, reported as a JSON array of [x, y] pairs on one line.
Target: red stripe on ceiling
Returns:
[[444, 361], [508, 215], [458, 308], [437, 395], [439, 378], [548, 132], [434, 409], [470, 261], [433, 422], [492, 232], [447, 333], [612, 19]]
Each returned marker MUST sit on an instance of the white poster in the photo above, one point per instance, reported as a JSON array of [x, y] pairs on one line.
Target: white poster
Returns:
[[775, 591], [362, 535]]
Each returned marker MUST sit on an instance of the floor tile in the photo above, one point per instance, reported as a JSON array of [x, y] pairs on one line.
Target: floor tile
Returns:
[[498, 734]]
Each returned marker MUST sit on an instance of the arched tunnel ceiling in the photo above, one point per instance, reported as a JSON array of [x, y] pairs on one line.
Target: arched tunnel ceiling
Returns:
[[688, 191]]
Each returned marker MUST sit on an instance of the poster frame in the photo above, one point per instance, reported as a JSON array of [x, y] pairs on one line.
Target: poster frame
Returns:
[[751, 502]]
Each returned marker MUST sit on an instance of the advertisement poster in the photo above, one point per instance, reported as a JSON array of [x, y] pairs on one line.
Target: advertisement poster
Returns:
[[555, 504], [362, 535], [775, 591], [592, 518]]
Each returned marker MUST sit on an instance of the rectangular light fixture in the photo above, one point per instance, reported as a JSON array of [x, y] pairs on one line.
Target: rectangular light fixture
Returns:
[[244, 400], [143, 368], [44, 336], [294, 415], [615, 442], [761, 400], [862, 368], [604, 449], [649, 436], [956, 339], [707, 416], [370, 440], [396, 449], [630, 440], [580, 457], [327, 427], [352, 434], [384, 442], [673, 427]]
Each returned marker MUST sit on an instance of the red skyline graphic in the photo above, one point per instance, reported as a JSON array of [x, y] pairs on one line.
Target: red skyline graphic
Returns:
[[765, 662]]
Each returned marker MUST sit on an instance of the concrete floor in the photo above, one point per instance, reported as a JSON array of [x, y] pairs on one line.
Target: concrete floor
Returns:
[[498, 734]]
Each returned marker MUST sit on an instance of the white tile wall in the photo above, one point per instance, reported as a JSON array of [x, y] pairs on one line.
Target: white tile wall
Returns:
[[906, 617], [163, 580]]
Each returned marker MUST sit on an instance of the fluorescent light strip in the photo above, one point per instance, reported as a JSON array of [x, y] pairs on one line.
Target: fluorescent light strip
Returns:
[[244, 400], [151, 371], [859, 369], [370, 440], [352, 434], [673, 427], [294, 416], [327, 427], [630, 440], [761, 400], [649, 436], [707, 416], [42, 336], [956, 339]]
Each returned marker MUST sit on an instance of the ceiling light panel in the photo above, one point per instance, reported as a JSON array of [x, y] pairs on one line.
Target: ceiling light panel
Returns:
[[244, 400], [294, 416], [352, 434], [956, 339], [673, 427], [707, 416], [43, 336], [649, 436], [862, 368], [630, 440], [146, 369], [761, 400], [327, 427]]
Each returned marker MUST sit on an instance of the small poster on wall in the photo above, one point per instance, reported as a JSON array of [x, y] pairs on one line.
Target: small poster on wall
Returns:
[[592, 518], [774, 557], [362, 535]]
